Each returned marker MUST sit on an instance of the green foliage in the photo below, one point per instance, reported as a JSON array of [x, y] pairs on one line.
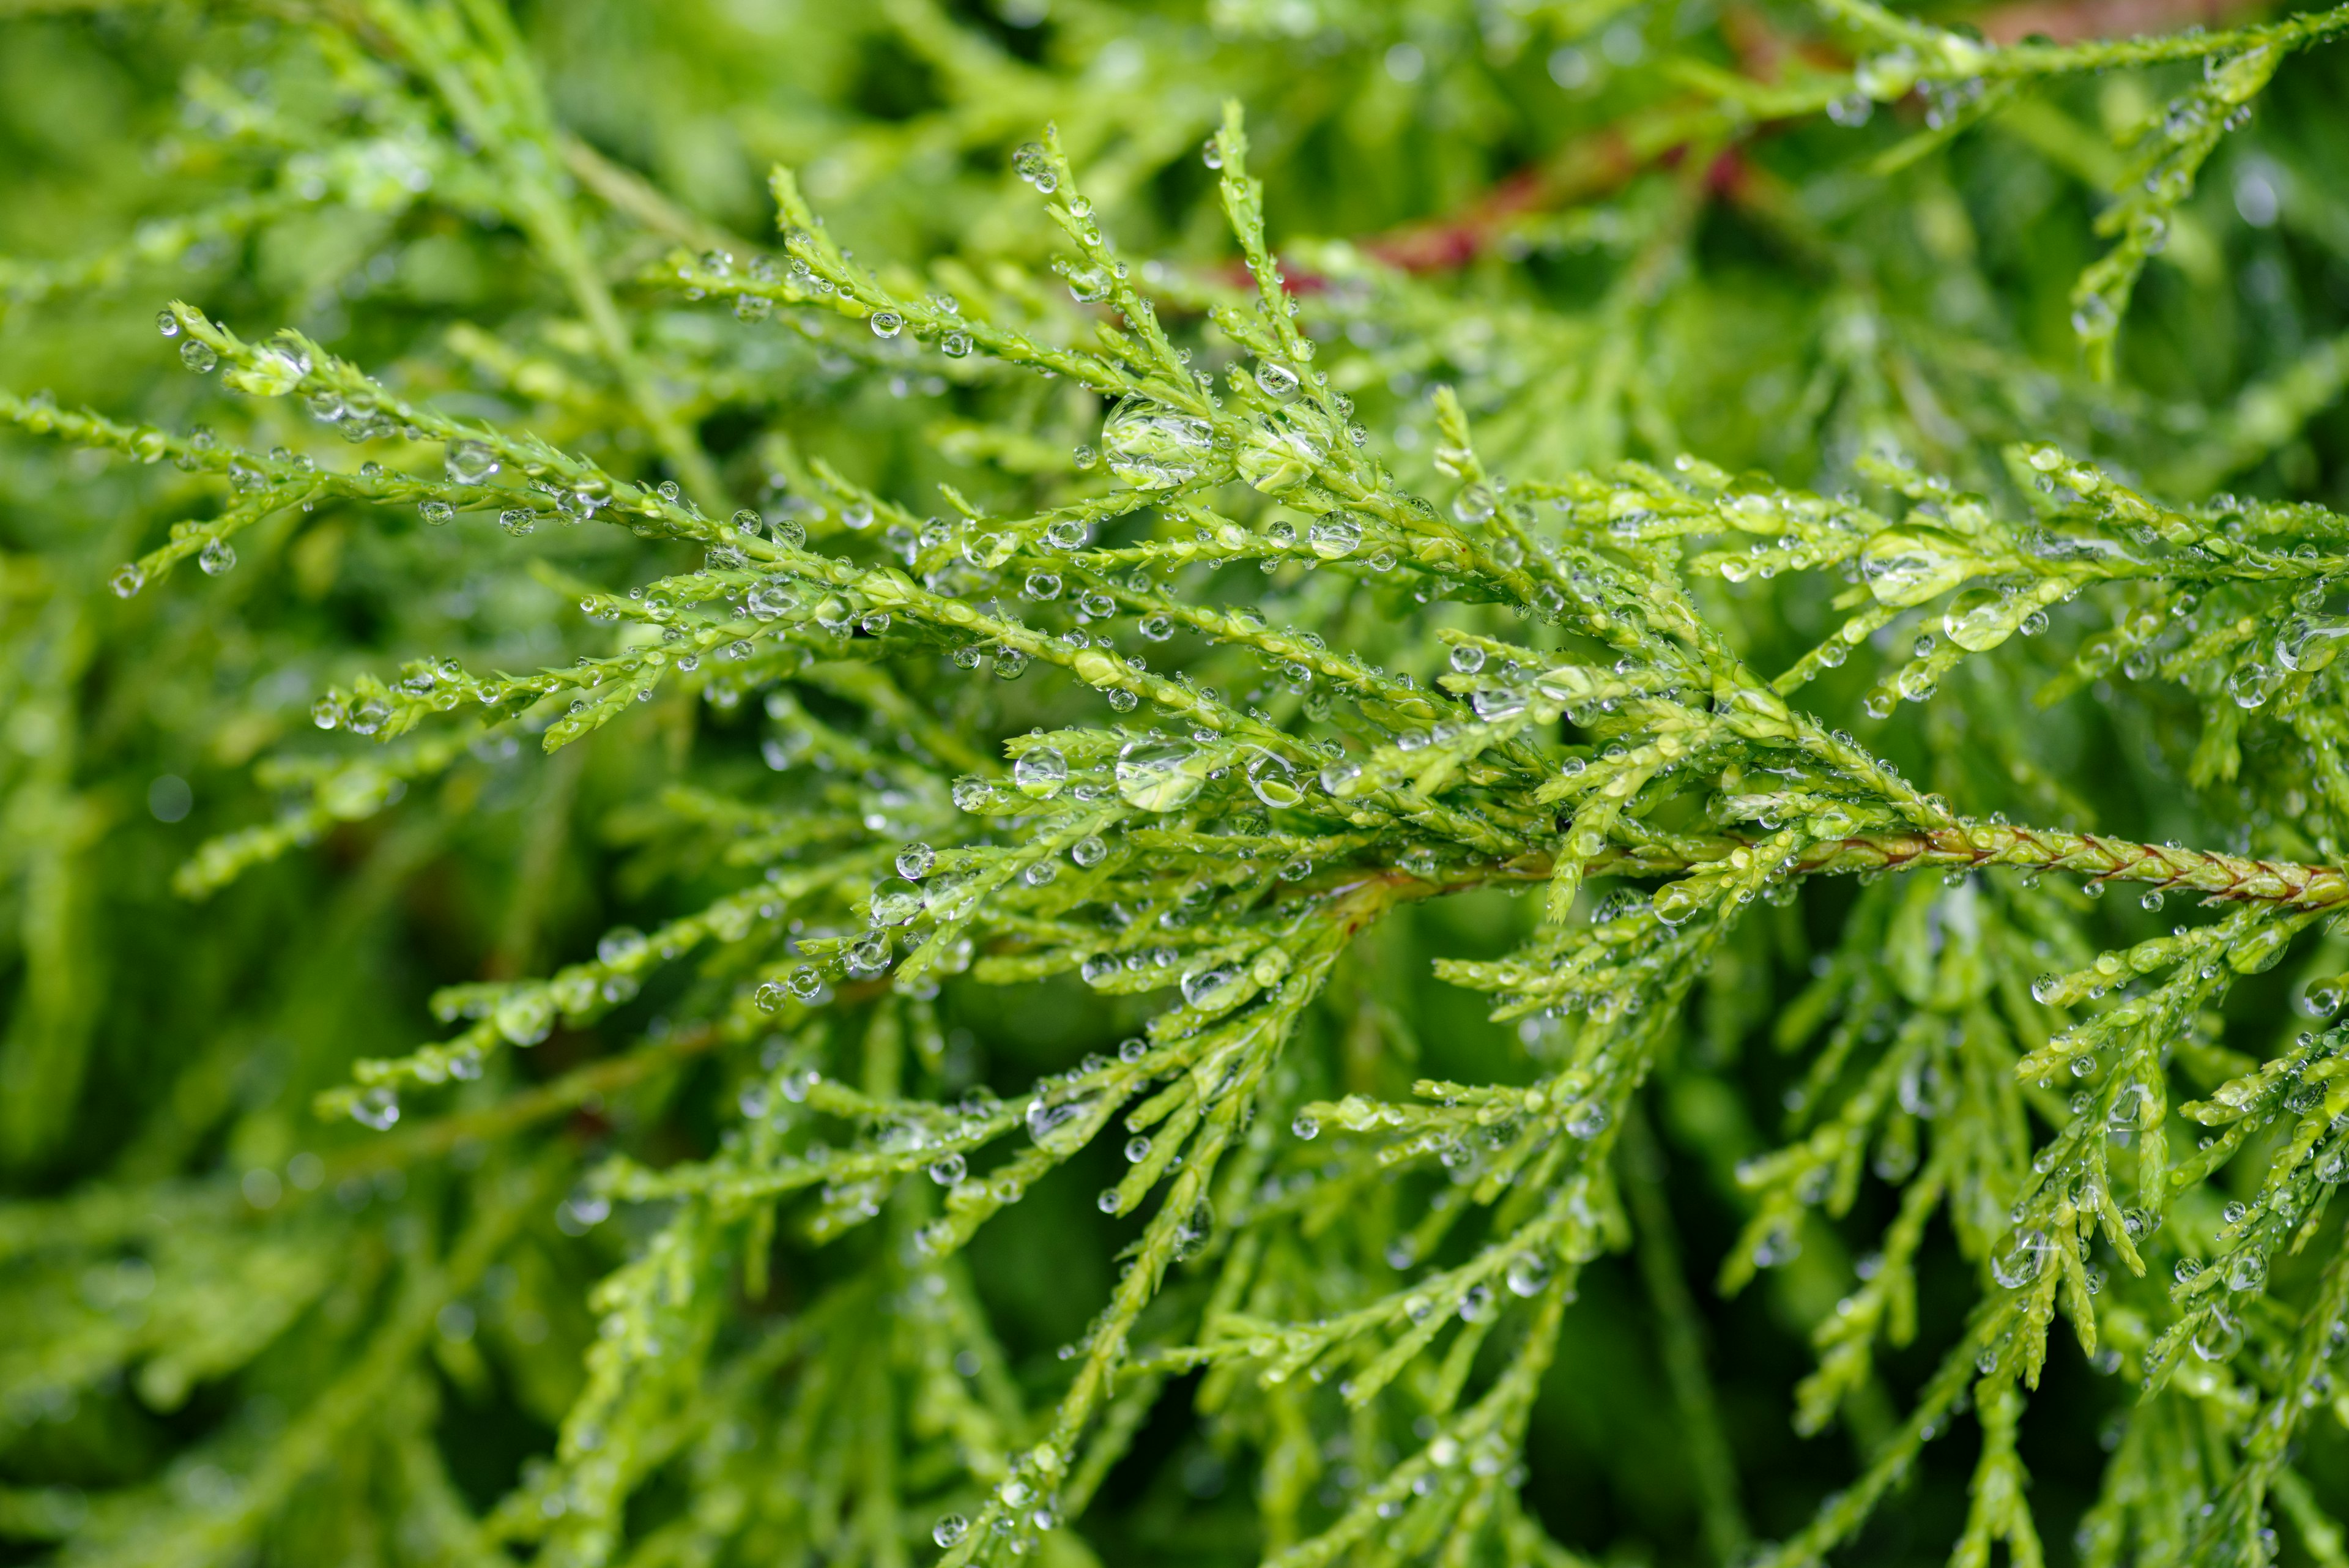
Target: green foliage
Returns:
[[862, 879]]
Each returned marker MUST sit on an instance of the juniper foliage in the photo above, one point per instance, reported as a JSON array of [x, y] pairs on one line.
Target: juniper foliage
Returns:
[[1545, 803]]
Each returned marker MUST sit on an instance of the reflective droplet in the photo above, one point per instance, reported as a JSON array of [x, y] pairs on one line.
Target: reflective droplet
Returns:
[[1978, 619], [1209, 989], [1063, 1127], [1527, 1273], [914, 861], [378, 1107], [2021, 1262], [198, 356], [774, 597], [896, 902], [621, 945], [1040, 771], [1152, 447], [1274, 780], [1333, 538], [525, 1017], [471, 461], [1909, 565], [1160, 775]]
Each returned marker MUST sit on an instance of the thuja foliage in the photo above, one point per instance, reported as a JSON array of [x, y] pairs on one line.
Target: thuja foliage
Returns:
[[873, 838]]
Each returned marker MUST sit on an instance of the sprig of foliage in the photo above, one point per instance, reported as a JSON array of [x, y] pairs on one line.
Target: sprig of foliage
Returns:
[[1056, 898]]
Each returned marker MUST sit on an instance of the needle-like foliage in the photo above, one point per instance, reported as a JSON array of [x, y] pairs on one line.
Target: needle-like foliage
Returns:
[[921, 863]]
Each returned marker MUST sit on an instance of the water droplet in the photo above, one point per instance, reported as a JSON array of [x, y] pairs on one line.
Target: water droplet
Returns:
[[129, 578], [2252, 684], [167, 324], [1467, 659], [1473, 505], [1334, 538], [1088, 851], [1978, 619], [1063, 1127], [774, 596], [1212, 990], [198, 356], [471, 461], [622, 945], [895, 902], [1338, 777], [888, 323], [2021, 1262], [525, 1017], [378, 1107], [1528, 1272], [868, 957], [914, 861], [1906, 567], [1160, 775], [1197, 1229], [1278, 380], [1040, 771], [2218, 1339], [436, 512], [1676, 902], [1306, 1126], [1152, 447], [1274, 780], [949, 1529], [949, 1169]]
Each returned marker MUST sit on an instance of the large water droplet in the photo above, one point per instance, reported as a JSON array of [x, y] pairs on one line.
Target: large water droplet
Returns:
[[1160, 775], [1040, 771], [895, 902], [471, 461], [1209, 989], [1909, 565], [1980, 619], [2021, 1262], [1332, 538], [1064, 1126], [1274, 780], [2308, 643], [378, 1107], [774, 596], [1152, 447], [526, 1017]]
